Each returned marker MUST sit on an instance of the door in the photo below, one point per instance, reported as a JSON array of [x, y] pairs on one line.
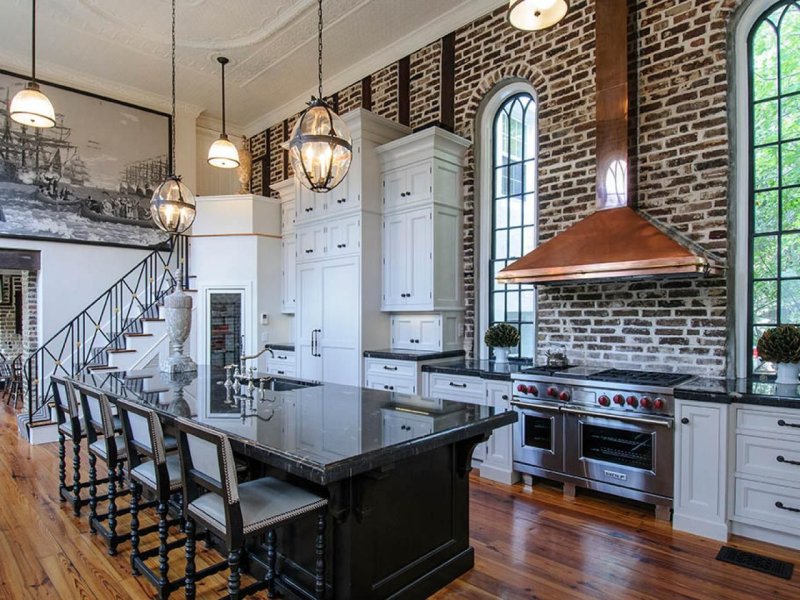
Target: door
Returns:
[[289, 274], [419, 246], [308, 321], [340, 321], [225, 311], [395, 260]]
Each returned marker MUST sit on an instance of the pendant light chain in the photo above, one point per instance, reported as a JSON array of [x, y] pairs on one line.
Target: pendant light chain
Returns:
[[33, 44], [319, 47], [172, 144]]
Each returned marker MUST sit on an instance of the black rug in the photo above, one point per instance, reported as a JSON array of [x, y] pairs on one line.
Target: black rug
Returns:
[[765, 564]]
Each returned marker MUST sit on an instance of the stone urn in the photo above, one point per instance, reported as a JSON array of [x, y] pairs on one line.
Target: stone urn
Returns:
[[178, 317]]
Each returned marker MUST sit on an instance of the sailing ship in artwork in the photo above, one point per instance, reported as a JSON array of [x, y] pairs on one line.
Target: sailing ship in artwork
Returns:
[[43, 174]]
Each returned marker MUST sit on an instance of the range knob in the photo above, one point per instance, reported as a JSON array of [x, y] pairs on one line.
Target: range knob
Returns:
[[522, 388], [552, 392], [604, 400], [532, 389], [619, 399], [564, 396], [632, 401], [645, 402], [658, 403]]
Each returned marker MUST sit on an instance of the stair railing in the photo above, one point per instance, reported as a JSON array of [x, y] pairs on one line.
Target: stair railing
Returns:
[[101, 326]]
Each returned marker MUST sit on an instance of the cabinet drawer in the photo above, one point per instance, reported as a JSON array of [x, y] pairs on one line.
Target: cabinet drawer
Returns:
[[768, 457], [282, 370], [391, 384], [456, 387], [771, 421], [758, 501], [282, 358], [392, 368]]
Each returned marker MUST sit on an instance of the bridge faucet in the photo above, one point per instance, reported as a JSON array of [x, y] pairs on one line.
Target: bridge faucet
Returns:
[[243, 359]]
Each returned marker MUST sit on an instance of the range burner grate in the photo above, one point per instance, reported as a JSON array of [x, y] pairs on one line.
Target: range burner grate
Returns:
[[545, 369], [640, 377]]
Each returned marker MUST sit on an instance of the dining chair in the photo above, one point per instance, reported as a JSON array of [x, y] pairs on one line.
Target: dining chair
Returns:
[[213, 498]]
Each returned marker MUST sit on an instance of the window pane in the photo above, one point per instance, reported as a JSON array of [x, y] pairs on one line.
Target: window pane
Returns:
[[766, 167], [764, 58], [515, 179], [790, 117], [791, 208], [501, 139], [501, 182], [765, 257], [501, 244], [765, 302], [530, 209], [526, 340], [512, 306], [501, 213], [515, 219], [790, 50], [790, 301], [765, 122], [790, 255], [528, 239], [499, 313], [530, 176], [515, 243], [766, 217], [527, 304], [790, 159], [530, 131]]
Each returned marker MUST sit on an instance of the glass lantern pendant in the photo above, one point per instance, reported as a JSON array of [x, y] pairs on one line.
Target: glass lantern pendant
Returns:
[[534, 15], [320, 147], [172, 206], [223, 153], [30, 106]]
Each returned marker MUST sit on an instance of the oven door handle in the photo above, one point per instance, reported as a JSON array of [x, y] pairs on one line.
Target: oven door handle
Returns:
[[538, 406], [646, 420]]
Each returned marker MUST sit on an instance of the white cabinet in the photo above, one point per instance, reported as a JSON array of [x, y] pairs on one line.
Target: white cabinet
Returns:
[[310, 242], [400, 427], [422, 203], [287, 216], [344, 236], [436, 332], [282, 364], [498, 463], [701, 469], [767, 476], [288, 274]]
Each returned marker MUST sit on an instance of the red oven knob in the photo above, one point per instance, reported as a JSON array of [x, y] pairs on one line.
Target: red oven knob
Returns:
[[604, 400], [564, 396], [522, 388], [658, 403], [552, 392], [619, 399], [632, 401], [645, 402], [533, 390]]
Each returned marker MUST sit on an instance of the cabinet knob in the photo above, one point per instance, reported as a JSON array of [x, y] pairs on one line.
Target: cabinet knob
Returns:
[[505, 396], [685, 420], [408, 193], [403, 194]]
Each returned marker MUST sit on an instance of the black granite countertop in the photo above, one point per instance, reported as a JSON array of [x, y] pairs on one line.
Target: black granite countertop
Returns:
[[320, 432], [415, 355], [485, 369], [763, 392], [285, 347]]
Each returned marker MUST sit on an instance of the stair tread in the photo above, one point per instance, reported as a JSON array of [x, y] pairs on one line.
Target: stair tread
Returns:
[[101, 368], [150, 319], [138, 335], [42, 423], [120, 351]]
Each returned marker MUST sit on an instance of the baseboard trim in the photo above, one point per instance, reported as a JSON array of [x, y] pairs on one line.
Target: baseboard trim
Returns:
[[702, 527]]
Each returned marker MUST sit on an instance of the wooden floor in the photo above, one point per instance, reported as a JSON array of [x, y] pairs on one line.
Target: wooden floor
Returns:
[[528, 544]]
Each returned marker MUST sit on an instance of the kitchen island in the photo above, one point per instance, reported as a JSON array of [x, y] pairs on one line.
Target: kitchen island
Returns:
[[394, 467]]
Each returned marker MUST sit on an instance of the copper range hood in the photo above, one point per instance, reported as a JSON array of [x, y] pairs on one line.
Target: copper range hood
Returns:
[[616, 242]]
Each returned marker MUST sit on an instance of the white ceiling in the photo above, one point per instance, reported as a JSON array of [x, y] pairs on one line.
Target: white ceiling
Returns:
[[122, 47]]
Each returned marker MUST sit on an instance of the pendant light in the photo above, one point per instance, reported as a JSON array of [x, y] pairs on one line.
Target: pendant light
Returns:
[[533, 15], [30, 106], [223, 153], [320, 146], [172, 205]]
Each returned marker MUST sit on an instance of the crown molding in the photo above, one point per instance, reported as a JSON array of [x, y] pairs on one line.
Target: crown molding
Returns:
[[84, 82], [464, 13]]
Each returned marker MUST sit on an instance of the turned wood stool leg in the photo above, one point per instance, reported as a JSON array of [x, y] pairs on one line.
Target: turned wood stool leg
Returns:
[[76, 478], [136, 493], [163, 558], [112, 509], [62, 465], [319, 579], [92, 491], [271, 563], [190, 554], [234, 578]]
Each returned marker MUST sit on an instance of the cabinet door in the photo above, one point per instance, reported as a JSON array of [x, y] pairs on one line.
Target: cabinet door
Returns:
[[344, 236], [287, 217], [701, 468], [308, 321], [340, 307], [419, 186], [394, 189], [419, 246], [405, 332], [289, 274], [339, 198], [310, 243], [430, 333], [395, 259], [498, 462]]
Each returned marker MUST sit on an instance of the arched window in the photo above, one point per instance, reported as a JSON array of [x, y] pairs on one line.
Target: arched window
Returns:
[[509, 183], [773, 194]]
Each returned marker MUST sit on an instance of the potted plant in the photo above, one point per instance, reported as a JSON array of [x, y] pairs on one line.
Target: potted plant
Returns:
[[781, 346], [502, 337]]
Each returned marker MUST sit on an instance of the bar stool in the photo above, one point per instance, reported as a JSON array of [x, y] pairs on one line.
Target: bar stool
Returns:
[[105, 444], [152, 468], [236, 512], [70, 425]]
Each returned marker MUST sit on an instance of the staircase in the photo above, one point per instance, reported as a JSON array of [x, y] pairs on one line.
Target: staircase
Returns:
[[122, 329]]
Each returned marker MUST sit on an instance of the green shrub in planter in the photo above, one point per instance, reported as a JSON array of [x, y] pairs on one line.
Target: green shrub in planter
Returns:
[[501, 335], [780, 344]]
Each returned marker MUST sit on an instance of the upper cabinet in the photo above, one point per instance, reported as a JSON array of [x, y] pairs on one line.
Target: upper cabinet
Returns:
[[287, 190], [422, 224]]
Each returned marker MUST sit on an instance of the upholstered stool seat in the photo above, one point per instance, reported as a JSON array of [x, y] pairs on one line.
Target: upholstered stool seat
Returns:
[[145, 473], [66, 428], [100, 448]]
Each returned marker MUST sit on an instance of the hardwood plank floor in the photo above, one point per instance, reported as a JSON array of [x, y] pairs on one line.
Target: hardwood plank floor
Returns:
[[529, 543]]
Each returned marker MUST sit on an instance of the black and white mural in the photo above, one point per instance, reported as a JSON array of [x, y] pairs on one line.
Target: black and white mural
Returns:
[[89, 178]]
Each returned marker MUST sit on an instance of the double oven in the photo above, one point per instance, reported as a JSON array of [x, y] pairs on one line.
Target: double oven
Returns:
[[597, 434]]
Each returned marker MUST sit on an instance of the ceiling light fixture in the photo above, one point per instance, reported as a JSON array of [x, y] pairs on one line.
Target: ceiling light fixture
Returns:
[[172, 205], [30, 106], [533, 15], [223, 153], [320, 146]]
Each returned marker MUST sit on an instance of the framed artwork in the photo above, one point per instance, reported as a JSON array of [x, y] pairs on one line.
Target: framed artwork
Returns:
[[89, 179]]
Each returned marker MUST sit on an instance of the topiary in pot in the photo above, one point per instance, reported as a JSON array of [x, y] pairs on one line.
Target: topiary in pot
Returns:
[[501, 337], [781, 345]]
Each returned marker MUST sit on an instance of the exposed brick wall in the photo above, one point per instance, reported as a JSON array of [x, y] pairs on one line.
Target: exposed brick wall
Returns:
[[10, 340], [682, 169], [350, 98]]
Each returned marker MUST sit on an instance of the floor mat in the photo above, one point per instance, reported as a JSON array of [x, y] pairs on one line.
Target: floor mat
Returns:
[[757, 562]]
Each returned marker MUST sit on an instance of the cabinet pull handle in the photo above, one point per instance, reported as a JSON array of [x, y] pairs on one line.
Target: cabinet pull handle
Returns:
[[780, 505], [279, 357], [685, 420], [782, 423], [458, 385], [781, 459], [388, 368], [281, 372]]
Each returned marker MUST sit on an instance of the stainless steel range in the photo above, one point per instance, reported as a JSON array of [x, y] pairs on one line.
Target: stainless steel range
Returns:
[[610, 430]]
